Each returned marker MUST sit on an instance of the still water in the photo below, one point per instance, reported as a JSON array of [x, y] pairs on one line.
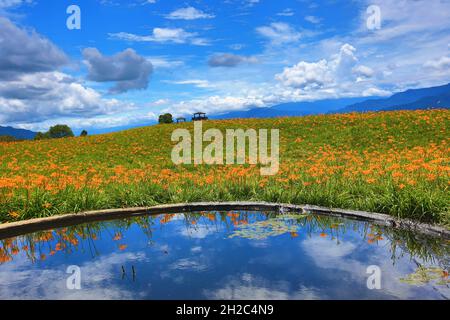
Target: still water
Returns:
[[225, 255]]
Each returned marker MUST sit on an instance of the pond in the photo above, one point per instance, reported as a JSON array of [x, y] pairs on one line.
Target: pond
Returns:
[[225, 255]]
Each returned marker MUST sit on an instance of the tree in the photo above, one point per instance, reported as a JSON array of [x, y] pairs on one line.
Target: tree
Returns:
[[60, 131], [83, 133], [7, 138], [166, 118], [41, 136]]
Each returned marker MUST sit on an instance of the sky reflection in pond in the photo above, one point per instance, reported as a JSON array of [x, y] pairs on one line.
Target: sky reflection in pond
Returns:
[[224, 255]]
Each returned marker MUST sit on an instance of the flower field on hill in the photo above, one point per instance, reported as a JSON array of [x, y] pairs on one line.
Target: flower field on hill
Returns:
[[390, 162]]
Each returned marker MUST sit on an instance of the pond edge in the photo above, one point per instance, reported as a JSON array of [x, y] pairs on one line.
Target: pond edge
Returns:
[[9, 230]]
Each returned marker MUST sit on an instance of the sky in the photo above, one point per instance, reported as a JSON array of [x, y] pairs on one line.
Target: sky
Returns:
[[132, 60]]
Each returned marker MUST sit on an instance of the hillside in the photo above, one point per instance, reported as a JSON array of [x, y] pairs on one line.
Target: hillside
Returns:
[[389, 162]]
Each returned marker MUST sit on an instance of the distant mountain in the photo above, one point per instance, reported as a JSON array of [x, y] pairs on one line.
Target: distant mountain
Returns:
[[21, 134], [291, 109], [434, 97], [440, 101]]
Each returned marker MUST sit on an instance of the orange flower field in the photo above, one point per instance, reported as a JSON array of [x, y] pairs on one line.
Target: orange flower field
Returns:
[[389, 162]]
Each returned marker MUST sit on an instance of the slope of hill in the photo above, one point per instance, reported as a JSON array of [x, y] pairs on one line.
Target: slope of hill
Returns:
[[434, 97], [390, 162], [20, 134]]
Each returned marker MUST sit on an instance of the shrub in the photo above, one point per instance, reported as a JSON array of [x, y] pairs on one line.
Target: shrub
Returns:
[[7, 138], [166, 118], [60, 131]]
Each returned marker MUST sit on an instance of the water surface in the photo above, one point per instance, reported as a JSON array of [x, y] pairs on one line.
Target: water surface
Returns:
[[225, 255]]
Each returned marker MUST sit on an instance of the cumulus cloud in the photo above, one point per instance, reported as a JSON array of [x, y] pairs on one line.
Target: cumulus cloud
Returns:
[[279, 33], [189, 13], [33, 90], [163, 35], [20, 280], [216, 104], [338, 76], [39, 96], [229, 60], [24, 51], [363, 71], [306, 75], [127, 69], [340, 68]]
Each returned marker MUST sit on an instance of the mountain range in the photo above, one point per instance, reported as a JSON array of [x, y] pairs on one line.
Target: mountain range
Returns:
[[424, 98], [20, 134]]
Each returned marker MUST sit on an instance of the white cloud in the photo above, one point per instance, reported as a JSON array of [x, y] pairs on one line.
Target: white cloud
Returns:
[[200, 231], [375, 92], [286, 13], [363, 71], [323, 73], [440, 64], [189, 13], [216, 104], [251, 3], [306, 75], [313, 19], [160, 102], [20, 281], [195, 82], [94, 122], [163, 35], [188, 265], [407, 18], [164, 62], [46, 95], [13, 3], [279, 33], [250, 287]]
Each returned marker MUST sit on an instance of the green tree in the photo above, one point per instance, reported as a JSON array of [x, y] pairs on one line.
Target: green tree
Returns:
[[7, 138], [166, 118], [41, 136], [83, 133], [60, 131]]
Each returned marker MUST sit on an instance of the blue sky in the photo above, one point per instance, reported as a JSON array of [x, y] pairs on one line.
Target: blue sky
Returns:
[[132, 60]]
